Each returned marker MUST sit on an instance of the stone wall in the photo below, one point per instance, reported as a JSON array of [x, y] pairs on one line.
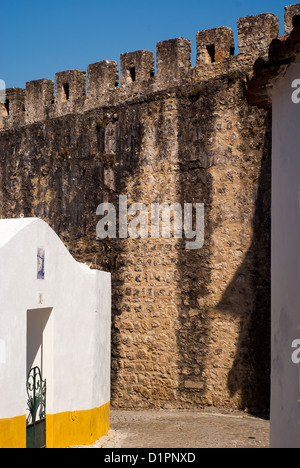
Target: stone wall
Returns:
[[190, 327]]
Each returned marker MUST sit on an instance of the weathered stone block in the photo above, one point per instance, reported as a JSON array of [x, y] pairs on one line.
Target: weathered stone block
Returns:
[[15, 101], [255, 34], [101, 77], [69, 85], [173, 60], [38, 95], [289, 12], [137, 66]]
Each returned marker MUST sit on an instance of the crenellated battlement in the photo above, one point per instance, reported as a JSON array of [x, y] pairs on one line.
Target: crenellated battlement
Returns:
[[214, 45], [77, 91]]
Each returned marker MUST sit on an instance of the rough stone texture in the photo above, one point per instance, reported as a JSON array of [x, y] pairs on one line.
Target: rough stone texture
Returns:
[[137, 66], [263, 27], [213, 45], [190, 328], [69, 85], [282, 52], [289, 12], [173, 61], [184, 429], [38, 95], [15, 102], [101, 77]]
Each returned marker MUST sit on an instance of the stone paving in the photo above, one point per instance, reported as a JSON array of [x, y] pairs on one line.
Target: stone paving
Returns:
[[185, 429]]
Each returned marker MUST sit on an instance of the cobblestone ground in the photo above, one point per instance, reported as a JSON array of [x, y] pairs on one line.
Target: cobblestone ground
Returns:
[[185, 429]]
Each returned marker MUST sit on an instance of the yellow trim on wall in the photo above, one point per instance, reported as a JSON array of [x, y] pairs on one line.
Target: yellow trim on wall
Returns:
[[13, 432], [77, 428], [62, 430]]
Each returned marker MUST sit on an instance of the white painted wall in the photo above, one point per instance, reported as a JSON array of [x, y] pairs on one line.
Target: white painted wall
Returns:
[[74, 322], [285, 391]]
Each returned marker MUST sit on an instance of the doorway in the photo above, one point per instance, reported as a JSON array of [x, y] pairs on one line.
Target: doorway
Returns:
[[39, 374]]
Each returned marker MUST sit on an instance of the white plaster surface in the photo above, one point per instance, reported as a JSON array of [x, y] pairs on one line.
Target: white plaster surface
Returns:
[[285, 388], [69, 339]]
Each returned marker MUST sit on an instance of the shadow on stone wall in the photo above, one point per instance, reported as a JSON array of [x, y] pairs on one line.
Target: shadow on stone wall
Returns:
[[254, 341]]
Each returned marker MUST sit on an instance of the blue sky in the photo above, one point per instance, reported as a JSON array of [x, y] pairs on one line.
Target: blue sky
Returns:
[[40, 38]]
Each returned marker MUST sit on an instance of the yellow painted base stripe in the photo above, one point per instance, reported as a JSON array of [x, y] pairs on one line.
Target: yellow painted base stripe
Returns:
[[77, 428], [13, 432], [62, 430]]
